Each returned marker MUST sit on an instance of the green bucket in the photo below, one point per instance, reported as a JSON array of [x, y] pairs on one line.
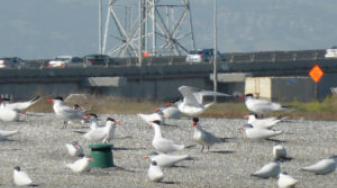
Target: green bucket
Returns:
[[102, 155]]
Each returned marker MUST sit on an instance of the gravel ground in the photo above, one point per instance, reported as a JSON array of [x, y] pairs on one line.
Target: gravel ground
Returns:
[[39, 150]]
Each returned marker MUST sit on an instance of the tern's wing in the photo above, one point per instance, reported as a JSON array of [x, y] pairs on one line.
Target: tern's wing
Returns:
[[200, 95], [187, 93], [21, 106]]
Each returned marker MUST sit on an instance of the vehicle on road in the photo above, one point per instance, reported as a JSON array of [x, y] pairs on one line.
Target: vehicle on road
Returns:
[[96, 59], [64, 61], [202, 55], [11, 62], [331, 52]]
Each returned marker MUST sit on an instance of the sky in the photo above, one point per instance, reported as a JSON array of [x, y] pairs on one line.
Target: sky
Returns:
[[34, 29]]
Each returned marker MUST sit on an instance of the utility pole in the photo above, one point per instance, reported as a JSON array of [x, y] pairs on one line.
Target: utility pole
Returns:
[[141, 33], [100, 27], [215, 49]]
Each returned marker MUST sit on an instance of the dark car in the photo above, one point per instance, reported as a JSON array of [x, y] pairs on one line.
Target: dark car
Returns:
[[11, 62], [96, 59]]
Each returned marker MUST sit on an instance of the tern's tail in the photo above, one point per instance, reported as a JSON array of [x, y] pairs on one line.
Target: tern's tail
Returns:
[[8, 133], [208, 105]]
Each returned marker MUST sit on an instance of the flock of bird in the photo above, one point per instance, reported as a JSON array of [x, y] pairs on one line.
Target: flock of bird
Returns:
[[191, 106]]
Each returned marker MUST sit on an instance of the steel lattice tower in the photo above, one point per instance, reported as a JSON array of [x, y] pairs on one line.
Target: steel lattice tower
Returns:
[[159, 27]]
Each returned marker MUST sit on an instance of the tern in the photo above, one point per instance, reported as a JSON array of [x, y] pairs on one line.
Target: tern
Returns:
[[271, 169], [262, 106], [102, 134], [165, 160], [256, 133], [203, 137], [74, 149], [65, 112], [286, 181], [280, 153], [264, 123], [322, 167], [192, 104], [80, 165], [8, 115], [19, 106], [21, 178], [163, 145], [155, 173]]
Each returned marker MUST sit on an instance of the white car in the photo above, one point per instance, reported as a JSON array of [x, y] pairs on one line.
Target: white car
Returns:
[[63, 61], [331, 53], [194, 56]]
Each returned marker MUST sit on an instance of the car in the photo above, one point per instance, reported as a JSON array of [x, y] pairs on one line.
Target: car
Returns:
[[11, 62], [64, 61], [96, 59], [203, 55], [331, 53]]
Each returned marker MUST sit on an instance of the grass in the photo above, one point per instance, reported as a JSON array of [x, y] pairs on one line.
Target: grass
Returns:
[[324, 110]]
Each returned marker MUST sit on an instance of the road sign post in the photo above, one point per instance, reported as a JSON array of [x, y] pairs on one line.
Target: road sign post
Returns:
[[316, 74]]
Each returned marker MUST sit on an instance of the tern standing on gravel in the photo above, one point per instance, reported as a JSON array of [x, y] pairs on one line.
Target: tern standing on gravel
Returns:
[[21, 178], [192, 104], [80, 165], [322, 167], [8, 115], [155, 173], [262, 106], [270, 170], [258, 134], [165, 160], [163, 145], [280, 153], [203, 137], [102, 134], [286, 181], [18, 106], [65, 112]]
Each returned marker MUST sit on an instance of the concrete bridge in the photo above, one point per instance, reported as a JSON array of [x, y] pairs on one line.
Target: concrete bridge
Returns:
[[159, 78]]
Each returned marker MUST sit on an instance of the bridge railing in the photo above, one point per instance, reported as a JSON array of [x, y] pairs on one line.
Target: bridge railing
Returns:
[[275, 56]]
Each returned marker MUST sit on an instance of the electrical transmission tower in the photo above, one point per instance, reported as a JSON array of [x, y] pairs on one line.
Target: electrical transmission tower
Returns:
[[158, 27]]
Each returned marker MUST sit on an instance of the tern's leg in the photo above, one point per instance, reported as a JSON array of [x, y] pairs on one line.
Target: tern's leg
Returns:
[[202, 148], [24, 114], [207, 148], [65, 123]]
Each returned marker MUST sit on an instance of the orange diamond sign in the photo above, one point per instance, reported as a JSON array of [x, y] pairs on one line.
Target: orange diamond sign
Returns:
[[316, 74]]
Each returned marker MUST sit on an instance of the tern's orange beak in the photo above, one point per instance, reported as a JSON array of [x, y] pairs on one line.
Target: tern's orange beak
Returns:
[[246, 116], [194, 125], [146, 157]]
